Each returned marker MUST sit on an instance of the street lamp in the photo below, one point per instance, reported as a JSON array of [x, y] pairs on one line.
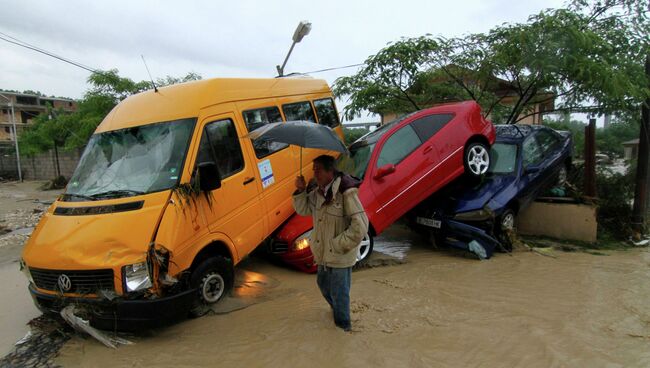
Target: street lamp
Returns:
[[13, 123], [301, 31]]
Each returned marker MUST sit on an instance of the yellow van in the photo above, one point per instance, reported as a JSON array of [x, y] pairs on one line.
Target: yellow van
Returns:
[[169, 196]]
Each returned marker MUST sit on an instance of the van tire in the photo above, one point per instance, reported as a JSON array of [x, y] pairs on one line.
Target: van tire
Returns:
[[212, 279]]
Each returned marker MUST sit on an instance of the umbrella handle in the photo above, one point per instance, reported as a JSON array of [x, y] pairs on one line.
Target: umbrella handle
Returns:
[[300, 160]]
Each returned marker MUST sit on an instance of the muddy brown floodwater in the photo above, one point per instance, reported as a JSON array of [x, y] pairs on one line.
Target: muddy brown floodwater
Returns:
[[425, 308], [438, 309]]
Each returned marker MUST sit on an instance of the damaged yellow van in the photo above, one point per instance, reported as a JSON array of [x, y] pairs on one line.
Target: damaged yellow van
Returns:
[[168, 197]]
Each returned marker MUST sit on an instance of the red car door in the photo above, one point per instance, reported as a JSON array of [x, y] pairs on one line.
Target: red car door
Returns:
[[396, 174]]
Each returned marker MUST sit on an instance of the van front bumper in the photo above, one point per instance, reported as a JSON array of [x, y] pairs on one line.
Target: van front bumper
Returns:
[[121, 314]]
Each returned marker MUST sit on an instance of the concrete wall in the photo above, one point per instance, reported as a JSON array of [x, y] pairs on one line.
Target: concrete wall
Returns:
[[41, 166], [565, 221]]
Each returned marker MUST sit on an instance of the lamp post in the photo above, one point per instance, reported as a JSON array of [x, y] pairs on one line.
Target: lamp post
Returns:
[[301, 31], [13, 123]]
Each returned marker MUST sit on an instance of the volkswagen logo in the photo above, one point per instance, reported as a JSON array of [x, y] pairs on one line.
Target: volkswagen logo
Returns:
[[64, 282]]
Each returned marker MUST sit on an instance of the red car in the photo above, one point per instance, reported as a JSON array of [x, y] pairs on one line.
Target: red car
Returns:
[[401, 164]]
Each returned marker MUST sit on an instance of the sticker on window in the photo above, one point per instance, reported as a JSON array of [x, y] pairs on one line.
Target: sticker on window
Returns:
[[266, 173]]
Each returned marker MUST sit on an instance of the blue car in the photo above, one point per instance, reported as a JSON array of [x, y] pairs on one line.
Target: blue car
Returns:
[[525, 160]]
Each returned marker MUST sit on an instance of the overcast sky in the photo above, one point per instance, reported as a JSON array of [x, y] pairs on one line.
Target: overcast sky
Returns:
[[222, 39]]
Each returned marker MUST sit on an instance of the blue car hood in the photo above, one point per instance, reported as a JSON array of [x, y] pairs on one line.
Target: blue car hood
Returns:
[[477, 197]]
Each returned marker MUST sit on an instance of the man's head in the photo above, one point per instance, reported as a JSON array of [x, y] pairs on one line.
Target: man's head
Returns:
[[324, 170]]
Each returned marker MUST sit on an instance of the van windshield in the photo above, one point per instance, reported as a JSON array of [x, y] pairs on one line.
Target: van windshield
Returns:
[[132, 161]]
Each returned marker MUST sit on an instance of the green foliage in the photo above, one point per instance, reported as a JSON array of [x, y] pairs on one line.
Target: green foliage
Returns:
[[576, 128], [582, 53], [352, 134], [615, 193], [72, 130], [610, 140]]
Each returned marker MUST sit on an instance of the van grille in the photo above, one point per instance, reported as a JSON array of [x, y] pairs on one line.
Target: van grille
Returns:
[[81, 282]]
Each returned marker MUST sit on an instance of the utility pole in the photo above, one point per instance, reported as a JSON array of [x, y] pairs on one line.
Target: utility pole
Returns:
[[639, 210], [590, 159], [15, 132]]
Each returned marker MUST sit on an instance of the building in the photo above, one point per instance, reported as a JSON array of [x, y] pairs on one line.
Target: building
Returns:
[[503, 89], [26, 108], [631, 149]]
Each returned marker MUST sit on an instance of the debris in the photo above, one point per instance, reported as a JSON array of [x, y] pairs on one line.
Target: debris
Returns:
[[476, 248], [25, 338], [81, 325], [57, 183]]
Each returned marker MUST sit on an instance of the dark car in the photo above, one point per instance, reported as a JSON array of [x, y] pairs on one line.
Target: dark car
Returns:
[[525, 160]]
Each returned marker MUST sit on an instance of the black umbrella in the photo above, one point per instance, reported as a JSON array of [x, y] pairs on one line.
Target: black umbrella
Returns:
[[300, 133]]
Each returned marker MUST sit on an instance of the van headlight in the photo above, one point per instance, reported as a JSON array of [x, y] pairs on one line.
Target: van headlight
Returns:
[[25, 270], [136, 277], [302, 242]]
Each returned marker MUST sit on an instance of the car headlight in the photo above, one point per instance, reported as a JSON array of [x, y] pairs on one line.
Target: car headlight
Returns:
[[302, 242], [136, 277], [477, 215]]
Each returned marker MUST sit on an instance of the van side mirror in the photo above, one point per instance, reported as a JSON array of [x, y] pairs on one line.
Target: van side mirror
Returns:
[[209, 177], [385, 170]]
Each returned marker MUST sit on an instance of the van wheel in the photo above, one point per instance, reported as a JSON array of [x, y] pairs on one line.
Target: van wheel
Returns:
[[365, 248], [212, 279], [476, 159]]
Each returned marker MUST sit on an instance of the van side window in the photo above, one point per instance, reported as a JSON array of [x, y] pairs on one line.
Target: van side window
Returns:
[[256, 119], [299, 111], [220, 144], [326, 112]]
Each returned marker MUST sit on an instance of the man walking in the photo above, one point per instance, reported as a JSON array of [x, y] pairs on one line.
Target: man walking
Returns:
[[340, 223]]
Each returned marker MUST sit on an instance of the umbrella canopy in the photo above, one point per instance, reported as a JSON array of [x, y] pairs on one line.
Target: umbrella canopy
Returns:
[[300, 133]]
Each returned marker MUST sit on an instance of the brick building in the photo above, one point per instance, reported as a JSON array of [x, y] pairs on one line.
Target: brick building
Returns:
[[26, 108]]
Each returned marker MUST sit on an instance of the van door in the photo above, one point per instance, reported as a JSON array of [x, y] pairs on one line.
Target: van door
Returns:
[[235, 209], [276, 163]]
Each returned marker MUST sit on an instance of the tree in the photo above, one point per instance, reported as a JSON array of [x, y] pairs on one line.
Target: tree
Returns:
[[588, 56]]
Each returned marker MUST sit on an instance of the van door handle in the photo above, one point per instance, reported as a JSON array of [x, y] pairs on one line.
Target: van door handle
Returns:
[[427, 149], [248, 180]]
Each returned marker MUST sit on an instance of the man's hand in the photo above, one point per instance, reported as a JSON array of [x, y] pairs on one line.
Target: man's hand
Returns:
[[301, 185]]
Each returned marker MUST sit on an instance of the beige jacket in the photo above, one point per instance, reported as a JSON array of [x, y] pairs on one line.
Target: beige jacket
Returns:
[[339, 226]]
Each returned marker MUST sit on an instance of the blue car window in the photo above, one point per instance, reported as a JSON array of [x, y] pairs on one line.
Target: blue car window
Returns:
[[503, 158], [532, 152], [547, 141]]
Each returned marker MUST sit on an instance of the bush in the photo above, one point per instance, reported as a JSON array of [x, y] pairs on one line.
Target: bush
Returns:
[[352, 134], [615, 195]]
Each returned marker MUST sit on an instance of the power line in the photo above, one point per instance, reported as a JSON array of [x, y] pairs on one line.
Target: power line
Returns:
[[335, 68], [15, 41]]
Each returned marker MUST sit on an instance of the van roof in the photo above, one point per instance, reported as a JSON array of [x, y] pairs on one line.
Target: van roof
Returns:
[[184, 100]]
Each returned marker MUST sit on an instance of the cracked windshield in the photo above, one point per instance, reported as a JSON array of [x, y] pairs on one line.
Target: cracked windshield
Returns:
[[132, 161]]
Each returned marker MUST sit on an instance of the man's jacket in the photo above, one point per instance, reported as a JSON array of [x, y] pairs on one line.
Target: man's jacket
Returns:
[[340, 222]]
